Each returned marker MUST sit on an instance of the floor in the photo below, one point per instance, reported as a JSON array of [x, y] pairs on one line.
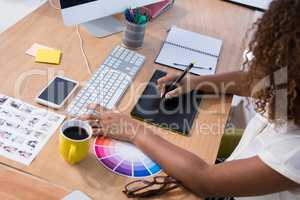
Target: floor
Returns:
[[14, 10]]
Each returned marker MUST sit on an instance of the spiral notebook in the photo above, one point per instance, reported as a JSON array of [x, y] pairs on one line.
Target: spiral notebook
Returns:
[[183, 47]]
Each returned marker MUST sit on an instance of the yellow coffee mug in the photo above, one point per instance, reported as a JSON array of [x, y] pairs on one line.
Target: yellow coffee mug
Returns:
[[74, 150]]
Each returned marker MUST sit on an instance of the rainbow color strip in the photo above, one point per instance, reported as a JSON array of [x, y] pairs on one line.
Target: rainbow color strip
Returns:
[[124, 159]]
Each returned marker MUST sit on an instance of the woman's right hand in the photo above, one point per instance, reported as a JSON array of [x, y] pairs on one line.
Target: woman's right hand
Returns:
[[187, 84]]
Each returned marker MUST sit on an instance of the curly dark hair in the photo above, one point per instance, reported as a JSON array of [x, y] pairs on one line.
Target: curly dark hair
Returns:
[[276, 50]]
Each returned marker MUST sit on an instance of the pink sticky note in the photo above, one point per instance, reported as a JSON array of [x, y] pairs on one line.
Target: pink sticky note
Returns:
[[33, 49]]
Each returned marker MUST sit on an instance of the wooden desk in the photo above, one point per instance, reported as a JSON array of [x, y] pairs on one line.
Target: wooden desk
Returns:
[[16, 185], [22, 78]]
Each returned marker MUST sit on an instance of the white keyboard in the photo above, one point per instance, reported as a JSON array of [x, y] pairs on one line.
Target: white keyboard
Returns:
[[109, 83]]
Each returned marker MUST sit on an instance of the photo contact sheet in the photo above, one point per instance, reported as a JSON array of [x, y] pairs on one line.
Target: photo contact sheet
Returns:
[[24, 129]]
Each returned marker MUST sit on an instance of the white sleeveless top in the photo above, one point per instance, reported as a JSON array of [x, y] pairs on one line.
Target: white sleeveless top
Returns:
[[277, 146]]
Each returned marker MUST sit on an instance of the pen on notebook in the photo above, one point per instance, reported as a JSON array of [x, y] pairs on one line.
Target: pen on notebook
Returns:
[[173, 85], [182, 65]]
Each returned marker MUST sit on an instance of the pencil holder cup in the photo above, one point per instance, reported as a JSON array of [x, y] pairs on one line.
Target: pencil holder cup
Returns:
[[133, 36]]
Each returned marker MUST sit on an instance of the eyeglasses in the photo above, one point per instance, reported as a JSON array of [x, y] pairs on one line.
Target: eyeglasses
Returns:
[[145, 188]]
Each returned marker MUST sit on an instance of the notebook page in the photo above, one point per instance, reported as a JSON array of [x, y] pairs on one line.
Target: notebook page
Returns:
[[194, 41], [171, 54]]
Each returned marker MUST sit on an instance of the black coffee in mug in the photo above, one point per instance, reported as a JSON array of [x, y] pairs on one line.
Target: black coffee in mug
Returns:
[[76, 133]]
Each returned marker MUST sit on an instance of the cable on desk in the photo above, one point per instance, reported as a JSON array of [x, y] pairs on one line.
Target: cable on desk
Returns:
[[53, 5], [80, 41], [83, 51]]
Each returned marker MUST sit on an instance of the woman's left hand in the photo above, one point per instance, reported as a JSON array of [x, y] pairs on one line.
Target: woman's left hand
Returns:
[[112, 124]]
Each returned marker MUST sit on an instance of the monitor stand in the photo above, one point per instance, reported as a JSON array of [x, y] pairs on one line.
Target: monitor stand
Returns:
[[103, 27]]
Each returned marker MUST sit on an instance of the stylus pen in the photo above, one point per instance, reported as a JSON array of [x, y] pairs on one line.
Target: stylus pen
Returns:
[[173, 85], [182, 65]]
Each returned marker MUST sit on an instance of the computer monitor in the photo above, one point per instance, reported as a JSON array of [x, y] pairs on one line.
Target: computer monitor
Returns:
[[95, 15]]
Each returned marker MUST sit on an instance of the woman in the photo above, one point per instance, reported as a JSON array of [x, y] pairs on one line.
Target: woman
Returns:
[[266, 163]]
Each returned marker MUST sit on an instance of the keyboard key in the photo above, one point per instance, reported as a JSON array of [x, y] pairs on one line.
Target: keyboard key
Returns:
[[115, 98]]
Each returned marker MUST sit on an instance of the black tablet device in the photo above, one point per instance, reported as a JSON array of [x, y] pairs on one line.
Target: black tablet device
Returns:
[[176, 114]]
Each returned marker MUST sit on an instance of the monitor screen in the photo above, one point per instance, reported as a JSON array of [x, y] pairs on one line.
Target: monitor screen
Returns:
[[69, 3]]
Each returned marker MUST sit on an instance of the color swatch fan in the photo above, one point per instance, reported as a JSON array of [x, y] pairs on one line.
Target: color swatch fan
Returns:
[[124, 159]]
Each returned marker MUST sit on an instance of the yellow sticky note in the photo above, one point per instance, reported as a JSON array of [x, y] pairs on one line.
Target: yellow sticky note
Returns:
[[51, 56]]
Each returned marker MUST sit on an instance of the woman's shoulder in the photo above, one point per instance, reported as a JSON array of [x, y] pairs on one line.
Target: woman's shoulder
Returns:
[[281, 138], [280, 127], [281, 149]]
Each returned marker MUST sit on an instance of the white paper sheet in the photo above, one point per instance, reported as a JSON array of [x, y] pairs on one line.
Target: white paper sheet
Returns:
[[24, 129], [261, 4], [194, 40], [185, 47], [170, 55]]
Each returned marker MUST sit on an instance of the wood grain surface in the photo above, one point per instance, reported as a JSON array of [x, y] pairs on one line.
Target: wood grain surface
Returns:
[[22, 78], [16, 185]]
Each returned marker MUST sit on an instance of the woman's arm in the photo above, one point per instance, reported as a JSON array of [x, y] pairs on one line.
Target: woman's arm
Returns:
[[226, 83], [248, 177]]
